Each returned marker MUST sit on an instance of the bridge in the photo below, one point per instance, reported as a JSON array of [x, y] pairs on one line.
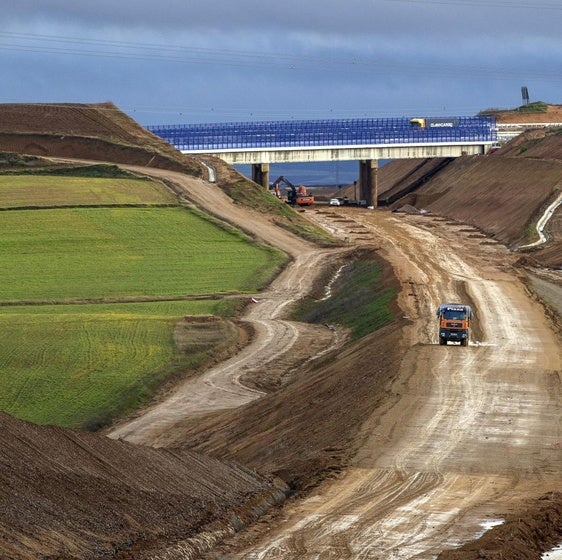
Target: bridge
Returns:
[[507, 131], [364, 140]]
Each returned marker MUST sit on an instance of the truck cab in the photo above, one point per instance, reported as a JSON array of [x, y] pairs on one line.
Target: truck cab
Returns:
[[454, 323]]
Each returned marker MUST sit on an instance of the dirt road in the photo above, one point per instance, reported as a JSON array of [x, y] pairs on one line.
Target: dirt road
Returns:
[[469, 432], [475, 430], [279, 345]]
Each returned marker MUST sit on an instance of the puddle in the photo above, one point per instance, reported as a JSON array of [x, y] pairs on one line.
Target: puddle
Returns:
[[554, 554]]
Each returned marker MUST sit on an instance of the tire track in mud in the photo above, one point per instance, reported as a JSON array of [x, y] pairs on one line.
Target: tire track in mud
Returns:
[[471, 427], [221, 387]]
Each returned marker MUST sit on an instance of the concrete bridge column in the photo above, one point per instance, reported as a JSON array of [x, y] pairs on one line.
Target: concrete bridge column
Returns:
[[368, 181], [260, 174]]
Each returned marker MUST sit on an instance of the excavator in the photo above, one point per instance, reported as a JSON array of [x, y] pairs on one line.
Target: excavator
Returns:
[[296, 196]]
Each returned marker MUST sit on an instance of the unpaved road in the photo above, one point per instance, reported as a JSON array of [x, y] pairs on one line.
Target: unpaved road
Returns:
[[474, 430], [468, 431], [278, 344]]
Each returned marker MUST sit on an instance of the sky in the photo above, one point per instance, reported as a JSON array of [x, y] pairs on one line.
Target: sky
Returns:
[[196, 61]]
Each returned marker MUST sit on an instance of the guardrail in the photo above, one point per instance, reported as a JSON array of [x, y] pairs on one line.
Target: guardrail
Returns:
[[508, 131], [337, 133], [525, 126]]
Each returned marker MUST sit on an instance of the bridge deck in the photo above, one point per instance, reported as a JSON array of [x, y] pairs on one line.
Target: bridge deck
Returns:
[[326, 134]]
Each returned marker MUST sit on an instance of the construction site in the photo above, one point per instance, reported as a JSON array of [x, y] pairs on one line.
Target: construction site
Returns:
[[305, 442]]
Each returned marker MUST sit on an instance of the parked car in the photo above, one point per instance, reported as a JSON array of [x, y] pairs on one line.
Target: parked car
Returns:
[[336, 202]]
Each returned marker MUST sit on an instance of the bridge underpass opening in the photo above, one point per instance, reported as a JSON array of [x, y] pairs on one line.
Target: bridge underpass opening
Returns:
[[362, 174], [335, 174]]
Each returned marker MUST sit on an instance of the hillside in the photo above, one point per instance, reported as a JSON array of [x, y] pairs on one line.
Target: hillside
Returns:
[[502, 194], [537, 112], [71, 494], [99, 132]]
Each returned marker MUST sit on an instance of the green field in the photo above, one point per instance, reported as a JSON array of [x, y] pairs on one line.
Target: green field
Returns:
[[76, 242], [81, 365], [83, 253], [36, 190]]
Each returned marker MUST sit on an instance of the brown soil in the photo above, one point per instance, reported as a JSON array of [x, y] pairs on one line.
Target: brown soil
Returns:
[[72, 494], [400, 447], [550, 114], [521, 537], [500, 196], [94, 132]]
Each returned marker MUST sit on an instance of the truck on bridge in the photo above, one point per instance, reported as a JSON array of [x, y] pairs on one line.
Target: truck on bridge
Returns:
[[434, 122], [454, 323]]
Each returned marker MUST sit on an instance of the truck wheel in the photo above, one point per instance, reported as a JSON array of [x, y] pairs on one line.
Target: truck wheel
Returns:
[[442, 342], [464, 342]]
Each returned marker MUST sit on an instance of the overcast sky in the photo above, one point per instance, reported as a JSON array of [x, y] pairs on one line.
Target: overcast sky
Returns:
[[178, 61]]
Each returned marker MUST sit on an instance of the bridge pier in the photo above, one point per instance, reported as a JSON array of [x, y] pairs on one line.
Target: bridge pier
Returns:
[[368, 181], [260, 174]]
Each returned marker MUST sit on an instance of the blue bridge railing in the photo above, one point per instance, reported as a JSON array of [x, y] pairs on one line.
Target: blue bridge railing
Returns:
[[325, 133]]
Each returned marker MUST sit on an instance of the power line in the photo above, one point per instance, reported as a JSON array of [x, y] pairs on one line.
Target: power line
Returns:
[[125, 48], [72, 46], [245, 114], [485, 4]]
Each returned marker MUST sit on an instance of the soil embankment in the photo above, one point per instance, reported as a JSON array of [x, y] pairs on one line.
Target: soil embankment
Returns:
[[72, 494], [503, 194], [92, 132]]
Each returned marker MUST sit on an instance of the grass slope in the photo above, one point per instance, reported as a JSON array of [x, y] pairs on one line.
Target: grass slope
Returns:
[[51, 190], [248, 193], [358, 299], [83, 253], [81, 365]]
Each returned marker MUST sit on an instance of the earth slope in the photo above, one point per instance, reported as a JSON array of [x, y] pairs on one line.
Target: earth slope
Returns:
[[71, 494], [502, 194], [86, 131]]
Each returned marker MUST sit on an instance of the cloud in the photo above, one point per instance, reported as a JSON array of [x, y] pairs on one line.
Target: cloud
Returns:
[[247, 59], [387, 17]]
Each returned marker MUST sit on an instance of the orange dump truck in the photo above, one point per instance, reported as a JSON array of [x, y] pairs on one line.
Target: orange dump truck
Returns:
[[454, 323]]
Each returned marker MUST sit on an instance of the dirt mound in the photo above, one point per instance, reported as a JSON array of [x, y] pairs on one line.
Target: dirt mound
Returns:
[[99, 132], [538, 112], [72, 494], [408, 209], [522, 537]]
